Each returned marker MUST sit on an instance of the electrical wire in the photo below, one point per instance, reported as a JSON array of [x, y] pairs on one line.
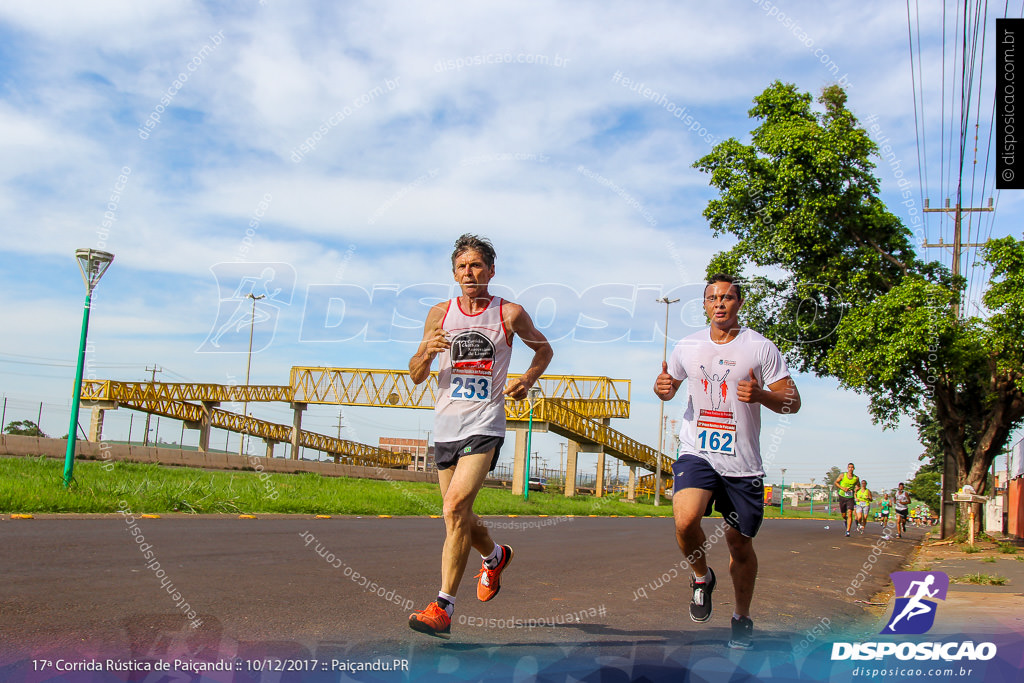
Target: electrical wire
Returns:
[[922, 171]]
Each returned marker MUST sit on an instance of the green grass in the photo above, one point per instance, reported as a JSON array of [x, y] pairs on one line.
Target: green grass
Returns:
[[970, 549], [981, 579], [990, 560], [1007, 548], [963, 536], [34, 485]]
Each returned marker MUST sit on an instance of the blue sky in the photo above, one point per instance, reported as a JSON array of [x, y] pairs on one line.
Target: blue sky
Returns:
[[344, 147]]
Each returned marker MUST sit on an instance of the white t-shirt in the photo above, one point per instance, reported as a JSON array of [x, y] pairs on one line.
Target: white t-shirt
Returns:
[[902, 500], [716, 425]]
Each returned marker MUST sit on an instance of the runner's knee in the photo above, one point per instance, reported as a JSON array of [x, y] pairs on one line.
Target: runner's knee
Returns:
[[741, 547], [458, 511]]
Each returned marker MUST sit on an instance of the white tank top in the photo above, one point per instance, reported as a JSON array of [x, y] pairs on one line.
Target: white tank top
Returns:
[[472, 374]]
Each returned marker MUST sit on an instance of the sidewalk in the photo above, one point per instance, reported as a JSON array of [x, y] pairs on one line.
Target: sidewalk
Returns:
[[972, 608]]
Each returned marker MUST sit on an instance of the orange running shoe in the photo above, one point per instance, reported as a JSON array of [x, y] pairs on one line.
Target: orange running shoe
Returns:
[[490, 579], [433, 621]]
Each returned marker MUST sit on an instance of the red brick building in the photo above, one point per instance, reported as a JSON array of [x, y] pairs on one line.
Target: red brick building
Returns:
[[422, 453]]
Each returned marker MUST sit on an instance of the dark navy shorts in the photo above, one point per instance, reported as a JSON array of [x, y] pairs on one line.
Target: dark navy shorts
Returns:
[[447, 453], [740, 500], [846, 504]]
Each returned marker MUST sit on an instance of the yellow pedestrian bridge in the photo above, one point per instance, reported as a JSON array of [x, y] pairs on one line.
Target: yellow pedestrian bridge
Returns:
[[578, 408]]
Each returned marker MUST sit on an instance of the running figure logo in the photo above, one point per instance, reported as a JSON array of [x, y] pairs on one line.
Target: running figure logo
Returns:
[[272, 284], [914, 612], [715, 387]]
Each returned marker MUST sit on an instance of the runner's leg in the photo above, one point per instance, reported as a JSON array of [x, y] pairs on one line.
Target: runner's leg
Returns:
[[459, 486], [742, 568], [688, 506]]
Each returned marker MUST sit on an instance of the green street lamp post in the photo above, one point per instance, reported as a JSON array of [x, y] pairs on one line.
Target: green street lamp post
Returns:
[[532, 394], [782, 497], [93, 263]]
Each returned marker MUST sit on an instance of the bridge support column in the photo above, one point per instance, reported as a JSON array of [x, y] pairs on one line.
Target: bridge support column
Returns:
[[519, 464], [297, 428], [599, 484], [631, 489], [270, 447], [204, 426], [96, 425], [572, 452]]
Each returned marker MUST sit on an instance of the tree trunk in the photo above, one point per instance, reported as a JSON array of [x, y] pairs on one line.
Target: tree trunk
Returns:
[[1006, 409], [953, 429]]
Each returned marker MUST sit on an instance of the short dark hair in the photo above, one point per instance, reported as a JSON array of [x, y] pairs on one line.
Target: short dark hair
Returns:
[[481, 245], [722, 277]]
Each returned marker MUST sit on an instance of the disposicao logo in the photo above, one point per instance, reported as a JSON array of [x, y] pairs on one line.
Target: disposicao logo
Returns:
[[914, 612]]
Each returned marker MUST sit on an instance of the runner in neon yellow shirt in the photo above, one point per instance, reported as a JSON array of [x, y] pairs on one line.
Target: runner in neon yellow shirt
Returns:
[[847, 483], [863, 496]]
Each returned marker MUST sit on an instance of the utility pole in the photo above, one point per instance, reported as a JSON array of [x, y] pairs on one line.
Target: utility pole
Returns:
[[661, 415], [152, 378], [248, 367], [958, 246], [949, 466]]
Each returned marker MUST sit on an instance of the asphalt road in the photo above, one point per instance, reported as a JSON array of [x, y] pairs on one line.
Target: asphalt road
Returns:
[[608, 591]]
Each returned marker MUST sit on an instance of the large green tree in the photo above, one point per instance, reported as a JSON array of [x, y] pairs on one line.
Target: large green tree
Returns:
[[848, 296]]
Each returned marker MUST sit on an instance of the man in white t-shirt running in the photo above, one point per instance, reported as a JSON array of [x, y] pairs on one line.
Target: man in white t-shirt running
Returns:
[[901, 505], [731, 371], [472, 337]]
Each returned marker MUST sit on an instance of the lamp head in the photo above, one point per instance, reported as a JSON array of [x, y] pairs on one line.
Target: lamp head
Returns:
[[93, 263]]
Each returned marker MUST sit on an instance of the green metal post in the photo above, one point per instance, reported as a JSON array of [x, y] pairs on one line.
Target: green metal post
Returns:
[[69, 457], [529, 440], [782, 498]]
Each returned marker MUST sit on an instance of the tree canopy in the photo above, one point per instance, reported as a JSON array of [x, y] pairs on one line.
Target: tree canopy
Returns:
[[833, 473], [848, 296], [23, 428]]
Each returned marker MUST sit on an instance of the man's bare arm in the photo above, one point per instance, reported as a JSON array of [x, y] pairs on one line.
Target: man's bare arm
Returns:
[[780, 396], [519, 321], [434, 342]]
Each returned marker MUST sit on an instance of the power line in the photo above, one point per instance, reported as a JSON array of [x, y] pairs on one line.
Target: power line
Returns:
[[978, 21], [922, 168], [60, 363]]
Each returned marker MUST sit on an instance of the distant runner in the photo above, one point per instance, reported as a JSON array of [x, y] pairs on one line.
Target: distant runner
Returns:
[[730, 372], [884, 511], [472, 335], [901, 504], [864, 498], [847, 483]]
